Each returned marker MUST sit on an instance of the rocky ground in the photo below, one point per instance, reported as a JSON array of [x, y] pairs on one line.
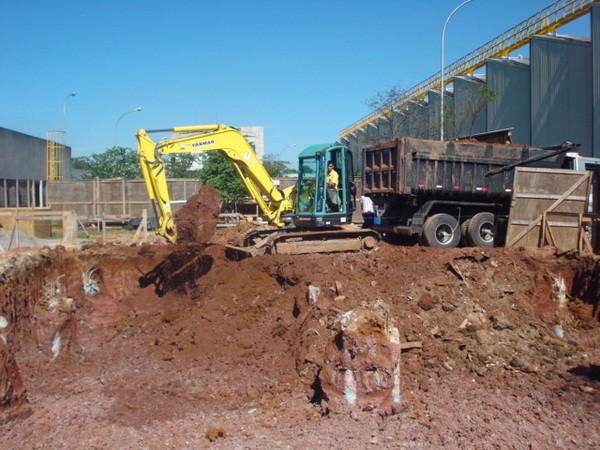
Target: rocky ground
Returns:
[[164, 346]]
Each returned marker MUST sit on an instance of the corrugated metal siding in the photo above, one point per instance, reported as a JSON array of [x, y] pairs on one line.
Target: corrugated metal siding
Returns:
[[402, 129], [469, 107], [395, 125], [384, 128], [510, 81], [433, 98], [561, 92], [450, 130], [418, 120], [372, 132], [595, 30], [358, 141]]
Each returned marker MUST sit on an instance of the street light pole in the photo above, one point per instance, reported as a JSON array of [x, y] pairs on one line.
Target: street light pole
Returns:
[[72, 94], [443, 67], [123, 115]]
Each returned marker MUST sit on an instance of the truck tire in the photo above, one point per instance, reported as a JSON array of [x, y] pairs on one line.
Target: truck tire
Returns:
[[480, 231], [441, 231], [463, 233]]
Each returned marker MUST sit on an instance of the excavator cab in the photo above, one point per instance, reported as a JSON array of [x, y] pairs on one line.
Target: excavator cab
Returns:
[[315, 206]]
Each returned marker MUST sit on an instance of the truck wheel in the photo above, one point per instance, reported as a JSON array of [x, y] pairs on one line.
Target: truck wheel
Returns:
[[480, 231], [464, 242], [441, 231]]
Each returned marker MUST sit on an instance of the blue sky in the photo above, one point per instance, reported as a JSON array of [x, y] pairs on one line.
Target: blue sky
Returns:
[[304, 69]]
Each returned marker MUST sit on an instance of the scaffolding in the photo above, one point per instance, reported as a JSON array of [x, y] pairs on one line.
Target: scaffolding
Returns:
[[548, 20], [55, 155]]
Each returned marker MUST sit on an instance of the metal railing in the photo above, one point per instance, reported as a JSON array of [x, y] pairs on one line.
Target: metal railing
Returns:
[[548, 20]]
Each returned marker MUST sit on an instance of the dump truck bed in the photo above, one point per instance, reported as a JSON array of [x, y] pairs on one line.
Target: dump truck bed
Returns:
[[409, 166]]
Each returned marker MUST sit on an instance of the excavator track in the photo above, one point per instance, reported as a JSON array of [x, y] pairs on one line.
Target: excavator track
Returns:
[[276, 241]]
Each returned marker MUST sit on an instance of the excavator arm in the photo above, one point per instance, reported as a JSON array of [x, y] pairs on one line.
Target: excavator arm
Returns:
[[272, 201]]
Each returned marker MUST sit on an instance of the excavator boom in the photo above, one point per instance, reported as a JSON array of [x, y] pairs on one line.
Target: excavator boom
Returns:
[[272, 201]]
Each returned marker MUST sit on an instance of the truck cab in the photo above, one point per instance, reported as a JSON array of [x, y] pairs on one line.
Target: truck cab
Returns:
[[313, 210], [574, 161]]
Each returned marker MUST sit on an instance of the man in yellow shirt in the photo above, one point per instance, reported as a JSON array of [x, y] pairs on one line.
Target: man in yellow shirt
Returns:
[[333, 180]]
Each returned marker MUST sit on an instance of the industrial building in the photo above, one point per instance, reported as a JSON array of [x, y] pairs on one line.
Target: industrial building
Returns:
[[35, 170], [546, 99], [28, 162]]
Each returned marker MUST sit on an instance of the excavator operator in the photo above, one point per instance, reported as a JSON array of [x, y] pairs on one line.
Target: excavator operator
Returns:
[[333, 180]]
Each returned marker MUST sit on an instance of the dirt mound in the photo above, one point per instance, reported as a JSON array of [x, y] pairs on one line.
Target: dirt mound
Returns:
[[176, 346], [234, 235], [197, 219]]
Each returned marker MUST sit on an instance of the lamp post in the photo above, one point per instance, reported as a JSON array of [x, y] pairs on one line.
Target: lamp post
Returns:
[[442, 69], [123, 115], [72, 94]]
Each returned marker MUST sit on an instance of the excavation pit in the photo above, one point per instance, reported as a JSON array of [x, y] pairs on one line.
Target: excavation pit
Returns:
[[116, 346]]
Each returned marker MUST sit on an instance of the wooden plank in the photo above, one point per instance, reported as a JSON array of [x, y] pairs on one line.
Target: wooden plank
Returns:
[[539, 191], [550, 235], [580, 198], [69, 227], [82, 225], [544, 228], [537, 220], [142, 229]]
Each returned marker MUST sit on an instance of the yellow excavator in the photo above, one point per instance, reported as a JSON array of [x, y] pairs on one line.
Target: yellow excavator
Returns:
[[304, 218]]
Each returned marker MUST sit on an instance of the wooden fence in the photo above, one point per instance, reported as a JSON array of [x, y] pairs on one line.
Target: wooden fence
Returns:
[[115, 198]]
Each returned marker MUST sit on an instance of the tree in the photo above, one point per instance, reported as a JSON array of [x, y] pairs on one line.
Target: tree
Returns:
[[275, 166], [219, 173], [391, 123], [392, 120], [460, 120], [123, 162], [115, 162], [477, 101], [185, 165]]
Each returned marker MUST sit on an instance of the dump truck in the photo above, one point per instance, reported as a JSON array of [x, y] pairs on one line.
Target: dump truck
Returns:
[[447, 193]]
